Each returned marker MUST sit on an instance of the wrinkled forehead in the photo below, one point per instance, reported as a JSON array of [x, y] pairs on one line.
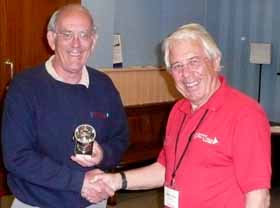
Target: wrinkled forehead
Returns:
[[185, 48]]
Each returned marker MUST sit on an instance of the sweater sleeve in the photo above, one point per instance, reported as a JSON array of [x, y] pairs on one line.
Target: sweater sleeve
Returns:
[[117, 141], [21, 153]]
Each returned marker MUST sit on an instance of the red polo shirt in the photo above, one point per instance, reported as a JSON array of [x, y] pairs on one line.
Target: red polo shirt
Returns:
[[228, 155]]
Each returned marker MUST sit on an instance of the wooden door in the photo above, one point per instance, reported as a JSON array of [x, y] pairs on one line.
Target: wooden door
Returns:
[[23, 42]]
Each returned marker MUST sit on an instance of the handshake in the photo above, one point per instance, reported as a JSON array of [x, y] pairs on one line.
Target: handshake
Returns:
[[98, 185]]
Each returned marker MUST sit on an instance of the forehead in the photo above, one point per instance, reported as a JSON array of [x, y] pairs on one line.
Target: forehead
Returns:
[[73, 19], [184, 49]]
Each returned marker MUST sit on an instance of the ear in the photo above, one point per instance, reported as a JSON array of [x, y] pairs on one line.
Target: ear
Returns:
[[51, 39], [217, 63], [94, 39]]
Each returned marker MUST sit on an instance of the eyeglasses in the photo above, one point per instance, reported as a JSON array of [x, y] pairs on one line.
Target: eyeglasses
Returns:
[[69, 35], [193, 64]]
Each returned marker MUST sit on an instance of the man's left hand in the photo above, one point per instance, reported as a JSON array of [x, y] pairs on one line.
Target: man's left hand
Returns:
[[90, 160]]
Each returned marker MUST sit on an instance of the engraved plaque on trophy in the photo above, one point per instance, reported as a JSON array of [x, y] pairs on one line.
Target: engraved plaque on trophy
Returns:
[[84, 137]]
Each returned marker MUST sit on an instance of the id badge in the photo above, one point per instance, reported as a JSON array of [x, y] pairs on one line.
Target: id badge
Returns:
[[171, 197]]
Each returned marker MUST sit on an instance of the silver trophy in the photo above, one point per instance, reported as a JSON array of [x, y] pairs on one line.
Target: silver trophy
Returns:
[[84, 137]]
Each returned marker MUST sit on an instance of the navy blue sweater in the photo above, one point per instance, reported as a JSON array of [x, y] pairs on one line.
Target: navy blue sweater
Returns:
[[40, 116]]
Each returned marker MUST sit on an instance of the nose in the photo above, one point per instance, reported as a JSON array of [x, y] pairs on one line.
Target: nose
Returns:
[[76, 42], [187, 71]]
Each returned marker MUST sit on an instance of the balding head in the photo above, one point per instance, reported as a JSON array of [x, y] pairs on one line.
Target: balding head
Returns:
[[68, 10]]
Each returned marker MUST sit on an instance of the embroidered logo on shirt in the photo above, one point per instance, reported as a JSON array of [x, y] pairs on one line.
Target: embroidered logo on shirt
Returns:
[[99, 115], [206, 139]]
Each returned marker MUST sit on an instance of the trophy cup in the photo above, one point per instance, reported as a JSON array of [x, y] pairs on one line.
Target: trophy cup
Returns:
[[84, 137]]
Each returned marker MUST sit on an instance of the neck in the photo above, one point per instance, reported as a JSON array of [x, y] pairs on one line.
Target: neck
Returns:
[[70, 78], [194, 107], [67, 76]]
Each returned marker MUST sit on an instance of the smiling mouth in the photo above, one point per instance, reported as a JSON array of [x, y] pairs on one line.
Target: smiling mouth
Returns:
[[191, 85], [75, 54]]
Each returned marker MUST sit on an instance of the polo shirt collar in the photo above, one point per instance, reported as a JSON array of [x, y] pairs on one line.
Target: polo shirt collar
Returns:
[[50, 69], [215, 101]]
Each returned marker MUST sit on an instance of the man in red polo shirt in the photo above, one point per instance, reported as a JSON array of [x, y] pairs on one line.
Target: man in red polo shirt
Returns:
[[216, 152]]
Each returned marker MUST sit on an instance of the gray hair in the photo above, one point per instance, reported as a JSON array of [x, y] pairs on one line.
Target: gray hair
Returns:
[[53, 20], [192, 31]]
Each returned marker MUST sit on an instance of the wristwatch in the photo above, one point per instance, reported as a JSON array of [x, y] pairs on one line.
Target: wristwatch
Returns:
[[124, 181]]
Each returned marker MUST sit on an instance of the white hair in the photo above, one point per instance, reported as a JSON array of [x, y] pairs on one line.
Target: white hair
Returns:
[[192, 31]]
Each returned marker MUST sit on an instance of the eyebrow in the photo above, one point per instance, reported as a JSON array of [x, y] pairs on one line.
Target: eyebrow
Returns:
[[191, 58], [68, 30]]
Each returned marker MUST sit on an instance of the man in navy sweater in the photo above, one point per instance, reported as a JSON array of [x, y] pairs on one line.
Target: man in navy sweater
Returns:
[[43, 107]]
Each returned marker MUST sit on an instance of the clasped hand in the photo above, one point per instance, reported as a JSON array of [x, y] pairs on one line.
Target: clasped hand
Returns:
[[98, 185]]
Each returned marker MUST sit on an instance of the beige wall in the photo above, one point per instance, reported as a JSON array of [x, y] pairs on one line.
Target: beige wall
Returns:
[[142, 85]]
